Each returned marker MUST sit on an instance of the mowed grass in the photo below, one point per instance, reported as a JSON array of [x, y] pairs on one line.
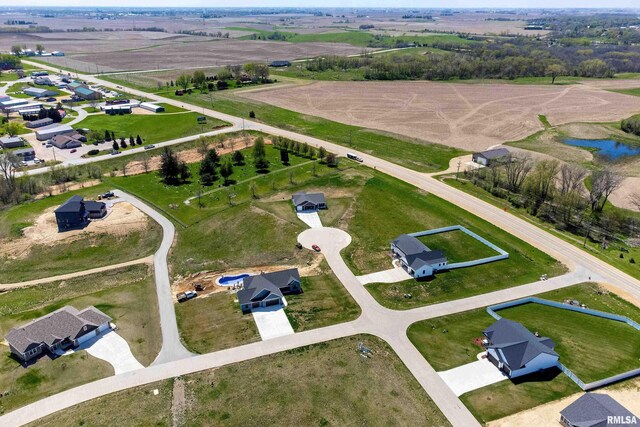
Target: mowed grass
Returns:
[[152, 128], [327, 384], [118, 293], [458, 246], [412, 153], [387, 207], [91, 249], [214, 322], [324, 302], [633, 92]]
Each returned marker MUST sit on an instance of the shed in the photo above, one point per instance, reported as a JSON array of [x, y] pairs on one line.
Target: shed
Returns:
[[38, 92], [152, 107], [485, 158]]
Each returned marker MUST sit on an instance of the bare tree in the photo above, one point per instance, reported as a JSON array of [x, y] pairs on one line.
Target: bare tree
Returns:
[[603, 183], [540, 183], [517, 168], [202, 146], [494, 172], [571, 177], [124, 168], [7, 167], [145, 163]]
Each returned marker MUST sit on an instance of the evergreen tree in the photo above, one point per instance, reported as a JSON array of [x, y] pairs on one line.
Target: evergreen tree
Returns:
[[169, 166], [238, 158], [107, 136], [208, 167], [138, 140], [284, 157], [115, 146], [322, 153], [132, 142], [123, 143], [226, 170]]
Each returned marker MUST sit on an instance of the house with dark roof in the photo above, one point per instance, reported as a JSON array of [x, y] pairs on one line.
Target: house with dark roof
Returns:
[[39, 123], [268, 289], [65, 142], [597, 410], [304, 202], [485, 158], [76, 212], [25, 154], [516, 351], [57, 332], [416, 258]]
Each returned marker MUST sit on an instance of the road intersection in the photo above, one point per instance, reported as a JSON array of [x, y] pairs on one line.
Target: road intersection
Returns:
[[389, 325]]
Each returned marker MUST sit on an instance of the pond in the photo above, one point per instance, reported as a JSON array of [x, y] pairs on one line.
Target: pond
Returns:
[[607, 148]]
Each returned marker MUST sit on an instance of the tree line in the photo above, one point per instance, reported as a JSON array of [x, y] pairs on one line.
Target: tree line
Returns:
[[251, 73]]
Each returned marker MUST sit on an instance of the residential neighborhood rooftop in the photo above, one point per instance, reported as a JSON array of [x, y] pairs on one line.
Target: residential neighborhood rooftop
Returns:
[[595, 410]]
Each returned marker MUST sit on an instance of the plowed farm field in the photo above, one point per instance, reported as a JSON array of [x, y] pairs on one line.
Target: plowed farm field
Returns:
[[468, 116]]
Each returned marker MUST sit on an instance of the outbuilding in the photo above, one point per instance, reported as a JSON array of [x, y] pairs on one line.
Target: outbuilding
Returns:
[[38, 92], [26, 154], [39, 123], [486, 158], [152, 107], [87, 93], [7, 105], [65, 142], [46, 134], [12, 142]]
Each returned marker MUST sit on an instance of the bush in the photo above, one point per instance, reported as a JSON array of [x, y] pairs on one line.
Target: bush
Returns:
[[252, 114], [93, 152], [632, 261], [631, 125]]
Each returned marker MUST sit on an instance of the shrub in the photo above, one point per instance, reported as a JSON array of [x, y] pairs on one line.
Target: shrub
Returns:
[[93, 152], [252, 114], [632, 261]]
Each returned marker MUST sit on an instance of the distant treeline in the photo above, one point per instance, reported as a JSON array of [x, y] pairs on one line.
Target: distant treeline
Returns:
[[44, 29]]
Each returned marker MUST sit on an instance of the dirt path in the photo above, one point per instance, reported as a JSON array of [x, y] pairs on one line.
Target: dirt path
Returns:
[[178, 403]]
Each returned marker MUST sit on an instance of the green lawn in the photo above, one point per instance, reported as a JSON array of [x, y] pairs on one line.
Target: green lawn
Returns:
[[324, 302], [458, 246], [7, 76], [387, 208], [94, 250], [151, 128], [634, 92], [411, 153]]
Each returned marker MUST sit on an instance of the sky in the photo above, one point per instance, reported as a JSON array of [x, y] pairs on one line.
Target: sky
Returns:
[[335, 3]]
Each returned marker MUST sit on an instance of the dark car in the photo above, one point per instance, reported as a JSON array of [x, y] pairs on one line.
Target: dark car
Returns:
[[50, 100], [74, 150], [149, 147], [108, 194]]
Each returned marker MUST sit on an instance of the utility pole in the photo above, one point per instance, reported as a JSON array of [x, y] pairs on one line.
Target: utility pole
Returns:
[[586, 234], [458, 172]]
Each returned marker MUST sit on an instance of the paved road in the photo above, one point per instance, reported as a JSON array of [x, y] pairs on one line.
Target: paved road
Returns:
[[172, 348], [5, 287], [387, 324]]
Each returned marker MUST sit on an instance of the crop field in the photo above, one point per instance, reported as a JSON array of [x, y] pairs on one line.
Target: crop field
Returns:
[[467, 116]]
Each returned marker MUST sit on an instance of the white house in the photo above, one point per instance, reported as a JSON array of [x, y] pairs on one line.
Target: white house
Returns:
[[516, 351], [416, 258]]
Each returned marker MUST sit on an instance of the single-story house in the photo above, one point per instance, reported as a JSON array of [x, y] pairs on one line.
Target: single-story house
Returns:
[[56, 332], [485, 158], [65, 142], [87, 93], [596, 410], [152, 107], [308, 201], [38, 93], [416, 258], [26, 154], [12, 142], [516, 351], [39, 123], [46, 134], [267, 289]]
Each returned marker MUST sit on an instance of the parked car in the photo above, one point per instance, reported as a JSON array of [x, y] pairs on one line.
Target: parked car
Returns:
[[108, 194], [315, 248], [198, 287], [73, 151], [50, 100], [149, 147], [114, 152]]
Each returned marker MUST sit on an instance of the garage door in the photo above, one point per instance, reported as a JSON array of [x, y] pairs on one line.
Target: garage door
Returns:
[[272, 302]]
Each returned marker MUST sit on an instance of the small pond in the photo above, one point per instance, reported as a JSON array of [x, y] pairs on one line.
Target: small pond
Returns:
[[607, 148]]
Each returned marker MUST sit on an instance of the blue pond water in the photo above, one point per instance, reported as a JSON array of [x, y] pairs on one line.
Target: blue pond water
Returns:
[[232, 280], [607, 148]]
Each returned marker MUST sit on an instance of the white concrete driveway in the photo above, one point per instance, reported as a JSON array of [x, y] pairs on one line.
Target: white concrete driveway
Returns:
[[393, 275], [272, 322], [112, 348], [310, 218], [472, 376]]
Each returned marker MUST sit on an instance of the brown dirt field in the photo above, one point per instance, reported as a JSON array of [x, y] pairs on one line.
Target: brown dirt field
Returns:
[[121, 219], [549, 414], [471, 117], [622, 196]]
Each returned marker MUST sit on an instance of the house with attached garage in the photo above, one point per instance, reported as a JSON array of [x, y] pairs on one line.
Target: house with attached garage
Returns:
[[596, 410], [516, 351], [268, 289], [57, 332], [416, 258], [76, 212], [486, 158], [304, 202]]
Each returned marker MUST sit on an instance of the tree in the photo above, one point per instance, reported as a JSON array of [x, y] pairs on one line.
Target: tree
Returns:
[[516, 169], [183, 81], [12, 128], [284, 157], [322, 153], [226, 170], [540, 183], [208, 166], [199, 80], [138, 140], [603, 183], [107, 136], [16, 50], [115, 146], [258, 148], [54, 115], [555, 70], [202, 146], [39, 48], [132, 142], [238, 158], [185, 173], [169, 166], [571, 178], [7, 167], [145, 163], [123, 143], [331, 160]]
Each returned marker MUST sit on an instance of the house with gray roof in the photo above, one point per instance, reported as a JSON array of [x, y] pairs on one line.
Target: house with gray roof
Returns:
[[305, 202], [76, 212], [516, 351], [597, 410], [57, 332], [12, 142], [39, 123], [416, 258], [485, 158], [268, 289]]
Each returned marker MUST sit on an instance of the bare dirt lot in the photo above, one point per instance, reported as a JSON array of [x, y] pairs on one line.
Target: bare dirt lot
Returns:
[[468, 116], [122, 219]]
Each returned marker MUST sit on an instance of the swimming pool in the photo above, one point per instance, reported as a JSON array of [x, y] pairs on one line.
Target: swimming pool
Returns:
[[232, 280]]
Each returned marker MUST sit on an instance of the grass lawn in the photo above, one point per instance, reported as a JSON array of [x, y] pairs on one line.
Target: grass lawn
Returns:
[[324, 302], [138, 406], [634, 92], [458, 246], [324, 384], [151, 128], [119, 293], [94, 250], [377, 220], [7, 76], [456, 347], [168, 108], [214, 323], [411, 153]]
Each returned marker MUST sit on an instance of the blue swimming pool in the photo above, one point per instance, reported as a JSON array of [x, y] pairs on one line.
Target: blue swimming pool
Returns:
[[232, 280]]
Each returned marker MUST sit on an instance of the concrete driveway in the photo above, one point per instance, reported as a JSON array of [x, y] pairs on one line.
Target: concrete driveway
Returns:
[[472, 376], [272, 322], [310, 218], [393, 275], [112, 348]]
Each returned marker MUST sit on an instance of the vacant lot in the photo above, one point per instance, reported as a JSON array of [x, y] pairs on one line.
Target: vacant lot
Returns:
[[328, 384], [472, 117]]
